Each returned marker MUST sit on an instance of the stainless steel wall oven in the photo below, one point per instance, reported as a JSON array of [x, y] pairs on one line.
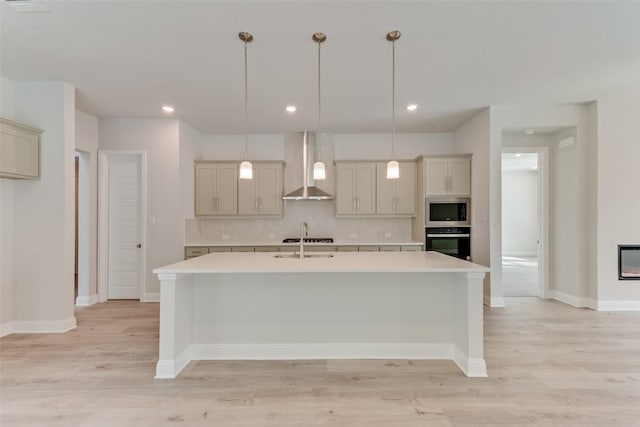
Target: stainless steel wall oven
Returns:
[[454, 241]]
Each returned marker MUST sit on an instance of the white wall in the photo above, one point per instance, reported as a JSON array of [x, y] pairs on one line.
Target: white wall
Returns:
[[190, 141], [474, 137], [618, 204], [7, 235], [87, 143], [520, 212], [159, 138], [41, 213]]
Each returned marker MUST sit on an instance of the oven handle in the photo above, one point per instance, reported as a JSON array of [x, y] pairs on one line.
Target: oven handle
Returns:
[[448, 235]]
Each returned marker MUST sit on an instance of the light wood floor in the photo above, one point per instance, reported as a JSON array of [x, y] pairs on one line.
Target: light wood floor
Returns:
[[549, 364]]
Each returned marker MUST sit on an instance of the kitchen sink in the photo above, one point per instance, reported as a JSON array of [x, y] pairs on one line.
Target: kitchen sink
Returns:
[[297, 255]]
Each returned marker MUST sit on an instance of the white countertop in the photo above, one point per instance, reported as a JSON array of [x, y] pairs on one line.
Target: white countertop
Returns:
[[279, 243], [341, 262]]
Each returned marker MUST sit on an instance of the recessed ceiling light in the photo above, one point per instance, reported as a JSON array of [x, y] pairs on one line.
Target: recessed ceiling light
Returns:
[[412, 107], [529, 131], [291, 108], [168, 109], [519, 155]]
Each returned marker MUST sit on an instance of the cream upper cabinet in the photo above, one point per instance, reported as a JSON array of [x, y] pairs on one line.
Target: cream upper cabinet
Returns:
[[396, 196], [19, 151], [447, 176], [216, 188], [261, 195], [355, 188]]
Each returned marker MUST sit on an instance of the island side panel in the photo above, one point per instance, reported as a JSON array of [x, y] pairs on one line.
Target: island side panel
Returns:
[[468, 348], [323, 315], [176, 306]]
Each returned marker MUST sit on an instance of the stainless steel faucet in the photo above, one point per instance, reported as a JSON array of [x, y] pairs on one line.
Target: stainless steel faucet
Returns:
[[304, 232]]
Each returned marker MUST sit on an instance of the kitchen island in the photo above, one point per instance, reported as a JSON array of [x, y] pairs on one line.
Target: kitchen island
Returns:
[[342, 305]]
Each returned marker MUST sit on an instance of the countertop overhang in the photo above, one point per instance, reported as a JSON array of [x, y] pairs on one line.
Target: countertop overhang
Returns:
[[339, 262]]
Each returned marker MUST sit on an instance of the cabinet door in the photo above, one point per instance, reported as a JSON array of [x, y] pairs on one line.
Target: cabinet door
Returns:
[[396, 196], [459, 171], [19, 151], [261, 195], [386, 194], [270, 189], [436, 177], [346, 189], [227, 189], [405, 190], [205, 197], [366, 185], [216, 186]]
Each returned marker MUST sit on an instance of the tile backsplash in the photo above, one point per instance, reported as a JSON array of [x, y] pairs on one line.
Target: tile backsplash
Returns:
[[320, 215]]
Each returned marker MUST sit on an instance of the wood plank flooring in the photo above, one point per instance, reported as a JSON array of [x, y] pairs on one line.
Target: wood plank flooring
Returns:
[[549, 364]]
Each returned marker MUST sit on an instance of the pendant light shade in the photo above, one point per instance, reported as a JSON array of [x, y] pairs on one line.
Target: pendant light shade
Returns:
[[318, 171], [393, 168], [318, 167], [246, 168]]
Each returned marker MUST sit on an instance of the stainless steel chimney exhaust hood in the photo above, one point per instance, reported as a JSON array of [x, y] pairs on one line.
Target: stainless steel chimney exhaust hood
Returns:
[[308, 191]]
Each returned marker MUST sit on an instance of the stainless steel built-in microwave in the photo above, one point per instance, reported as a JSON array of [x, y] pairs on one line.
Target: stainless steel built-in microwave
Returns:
[[447, 211]]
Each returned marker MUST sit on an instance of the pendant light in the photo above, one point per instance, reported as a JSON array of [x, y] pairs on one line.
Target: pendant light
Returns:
[[246, 169], [318, 167], [393, 168]]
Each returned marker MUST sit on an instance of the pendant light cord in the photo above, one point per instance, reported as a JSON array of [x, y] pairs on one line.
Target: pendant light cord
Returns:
[[393, 98], [319, 92], [246, 105]]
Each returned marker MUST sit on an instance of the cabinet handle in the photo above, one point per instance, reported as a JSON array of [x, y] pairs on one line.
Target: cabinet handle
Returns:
[[354, 205], [256, 205], [358, 204]]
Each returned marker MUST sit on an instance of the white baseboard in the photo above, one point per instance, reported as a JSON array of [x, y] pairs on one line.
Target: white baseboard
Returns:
[[580, 302], [320, 351], [6, 328], [85, 301], [472, 367], [520, 253], [496, 302], [430, 351], [624, 305], [151, 297], [37, 326]]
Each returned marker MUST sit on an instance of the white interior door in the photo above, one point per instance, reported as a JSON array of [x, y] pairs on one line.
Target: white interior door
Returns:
[[125, 225]]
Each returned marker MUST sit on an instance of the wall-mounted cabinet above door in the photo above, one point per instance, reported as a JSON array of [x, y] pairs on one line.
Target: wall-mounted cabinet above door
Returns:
[[19, 150]]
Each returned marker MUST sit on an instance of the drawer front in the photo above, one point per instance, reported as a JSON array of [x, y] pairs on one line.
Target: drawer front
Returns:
[[191, 252], [267, 248], [220, 249], [368, 248], [390, 248], [347, 249], [242, 249], [319, 248], [411, 248]]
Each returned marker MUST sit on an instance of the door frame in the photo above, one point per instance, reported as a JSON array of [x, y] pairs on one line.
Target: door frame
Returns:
[[104, 157], [543, 212]]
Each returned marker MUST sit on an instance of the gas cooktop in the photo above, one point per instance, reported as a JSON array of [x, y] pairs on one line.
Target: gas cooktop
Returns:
[[308, 240]]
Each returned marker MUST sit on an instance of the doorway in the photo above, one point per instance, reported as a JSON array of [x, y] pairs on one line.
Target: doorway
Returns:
[[121, 227], [523, 222], [82, 276]]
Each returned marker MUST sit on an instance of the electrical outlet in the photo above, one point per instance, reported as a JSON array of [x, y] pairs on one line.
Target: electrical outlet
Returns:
[[272, 236], [354, 235], [387, 235], [225, 237]]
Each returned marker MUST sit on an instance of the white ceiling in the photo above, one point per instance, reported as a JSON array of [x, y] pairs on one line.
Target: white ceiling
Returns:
[[127, 58]]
